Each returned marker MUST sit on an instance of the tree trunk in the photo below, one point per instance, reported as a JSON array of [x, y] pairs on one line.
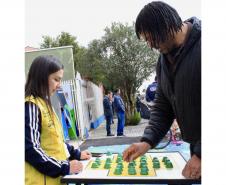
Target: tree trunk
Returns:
[[129, 99]]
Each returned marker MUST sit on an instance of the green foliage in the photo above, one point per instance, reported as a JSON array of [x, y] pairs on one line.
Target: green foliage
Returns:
[[64, 39], [134, 119], [118, 60], [127, 60], [90, 64]]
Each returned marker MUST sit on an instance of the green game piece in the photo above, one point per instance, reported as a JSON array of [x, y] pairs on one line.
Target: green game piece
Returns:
[[120, 162], [134, 162], [156, 162], [94, 165], [98, 162], [131, 167], [119, 159], [155, 159], [167, 161], [131, 164], [109, 153], [132, 171], [164, 158], [108, 160], [143, 160], [107, 165], [119, 166], [118, 171], [169, 165], [143, 157], [120, 155], [143, 165], [144, 171], [156, 165], [145, 168]]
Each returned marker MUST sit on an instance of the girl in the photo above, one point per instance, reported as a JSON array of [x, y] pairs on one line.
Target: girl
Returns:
[[47, 156]]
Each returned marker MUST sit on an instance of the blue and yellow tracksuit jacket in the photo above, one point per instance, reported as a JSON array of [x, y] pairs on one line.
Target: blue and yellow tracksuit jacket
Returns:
[[46, 153]]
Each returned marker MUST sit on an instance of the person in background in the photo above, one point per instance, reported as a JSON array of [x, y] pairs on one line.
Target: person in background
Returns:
[[112, 105], [120, 111], [150, 92], [108, 112], [138, 107], [47, 156], [178, 93]]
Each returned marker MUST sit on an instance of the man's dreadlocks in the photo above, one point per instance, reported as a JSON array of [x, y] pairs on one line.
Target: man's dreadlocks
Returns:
[[159, 20]]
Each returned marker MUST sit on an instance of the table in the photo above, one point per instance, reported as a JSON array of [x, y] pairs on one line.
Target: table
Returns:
[[163, 175]]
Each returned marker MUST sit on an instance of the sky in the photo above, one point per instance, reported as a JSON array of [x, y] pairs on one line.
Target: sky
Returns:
[[86, 19]]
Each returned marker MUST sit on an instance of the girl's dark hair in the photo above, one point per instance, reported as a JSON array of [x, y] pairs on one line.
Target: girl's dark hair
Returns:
[[159, 20], [37, 81]]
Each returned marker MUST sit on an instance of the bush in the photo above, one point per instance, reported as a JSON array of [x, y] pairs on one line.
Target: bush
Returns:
[[134, 119]]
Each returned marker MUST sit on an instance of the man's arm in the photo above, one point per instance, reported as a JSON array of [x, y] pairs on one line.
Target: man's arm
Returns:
[[161, 117], [119, 104], [107, 104]]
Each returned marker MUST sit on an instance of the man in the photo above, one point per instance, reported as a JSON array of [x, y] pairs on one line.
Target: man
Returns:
[[138, 103], [108, 112], [150, 92], [120, 111], [178, 72]]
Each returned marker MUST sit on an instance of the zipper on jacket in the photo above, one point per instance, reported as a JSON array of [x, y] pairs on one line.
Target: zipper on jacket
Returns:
[[173, 99], [175, 111]]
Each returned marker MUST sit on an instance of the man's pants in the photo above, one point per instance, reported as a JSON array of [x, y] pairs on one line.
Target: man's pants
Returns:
[[121, 123], [108, 124]]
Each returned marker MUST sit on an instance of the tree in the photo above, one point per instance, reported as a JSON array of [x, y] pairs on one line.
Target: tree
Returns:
[[118, 60], [90, 64], [64, 39], [127, 61]]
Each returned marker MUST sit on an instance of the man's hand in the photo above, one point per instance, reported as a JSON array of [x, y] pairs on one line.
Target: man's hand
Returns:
[[135, 150], [75, 166], [85, 155], [192, 169]]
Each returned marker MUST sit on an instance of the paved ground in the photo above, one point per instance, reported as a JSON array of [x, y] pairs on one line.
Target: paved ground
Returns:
[[130, 131], [100, 132]]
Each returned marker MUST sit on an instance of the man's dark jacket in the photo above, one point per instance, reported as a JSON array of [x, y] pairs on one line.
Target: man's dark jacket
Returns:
[[108, 112], [179, 97]]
